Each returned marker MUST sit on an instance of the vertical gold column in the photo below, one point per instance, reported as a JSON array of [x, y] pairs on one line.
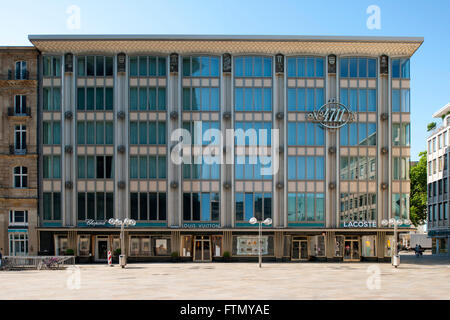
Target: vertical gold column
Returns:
[[175, 239], [72, 240], [329, 238], [227, 241], [278, 244], [381, 239]]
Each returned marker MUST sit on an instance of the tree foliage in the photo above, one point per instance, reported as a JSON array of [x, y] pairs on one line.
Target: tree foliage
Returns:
[[431, 126], [418, 177]]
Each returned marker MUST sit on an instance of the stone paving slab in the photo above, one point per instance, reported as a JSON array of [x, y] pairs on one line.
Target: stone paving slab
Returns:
[[416, 278]]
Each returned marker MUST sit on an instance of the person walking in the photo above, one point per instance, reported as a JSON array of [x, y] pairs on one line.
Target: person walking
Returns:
[[1, 257]]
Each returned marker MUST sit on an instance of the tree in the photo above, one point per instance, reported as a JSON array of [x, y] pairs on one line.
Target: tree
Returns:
[[431, 126], [418, 177]]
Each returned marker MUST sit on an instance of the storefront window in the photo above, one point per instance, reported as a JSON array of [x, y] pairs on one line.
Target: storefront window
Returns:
[[161, 246], [389, 245], [62, 244], [217, 246], [368, 246], [134, 246], [338, 246], [84, 245], [317, 246], [140, 246], [248, 245], [186, 246], [115, 243]]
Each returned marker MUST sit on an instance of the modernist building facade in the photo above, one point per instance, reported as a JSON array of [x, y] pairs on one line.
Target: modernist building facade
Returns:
[[18, 151], [110, 105], [438, 225]]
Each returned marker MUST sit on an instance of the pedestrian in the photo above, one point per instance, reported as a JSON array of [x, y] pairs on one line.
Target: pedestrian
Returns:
[[420, 250], [416, 249], [1, 257]]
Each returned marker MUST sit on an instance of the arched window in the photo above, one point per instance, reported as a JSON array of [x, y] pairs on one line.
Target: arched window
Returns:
[[20, 177]]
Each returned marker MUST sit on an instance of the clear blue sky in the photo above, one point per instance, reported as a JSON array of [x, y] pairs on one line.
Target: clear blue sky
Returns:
[[430, 66]]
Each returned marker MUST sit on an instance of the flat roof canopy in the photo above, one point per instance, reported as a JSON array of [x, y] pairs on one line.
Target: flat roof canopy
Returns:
[[234, 44], [442, 111]]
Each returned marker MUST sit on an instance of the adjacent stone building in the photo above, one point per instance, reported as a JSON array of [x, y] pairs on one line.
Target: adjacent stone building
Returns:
[[18, 150]]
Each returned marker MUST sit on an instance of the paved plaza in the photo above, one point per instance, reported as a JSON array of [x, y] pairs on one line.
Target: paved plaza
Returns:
[[416, 278]]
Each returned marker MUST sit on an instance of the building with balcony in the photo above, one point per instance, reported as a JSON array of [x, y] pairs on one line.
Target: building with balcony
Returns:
[[437, 178], [330, 117], [18, 150]]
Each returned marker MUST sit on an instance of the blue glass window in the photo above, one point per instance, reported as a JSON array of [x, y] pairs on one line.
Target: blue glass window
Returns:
[[305, 67], [404, 64], [395, 100], [372, 100], [396, 68], [291, 67], [362, 100], [405, 100], [372, 68], [344, 68], [248, 206]]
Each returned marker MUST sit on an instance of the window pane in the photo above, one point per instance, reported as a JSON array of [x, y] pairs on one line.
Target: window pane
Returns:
[[319, 67], [134, 167], [362, 65], [310, 67], [162, 167], [161, 98], [56, 133], [206, 207], [310, 206], [248, 206], [161, 133], [56, 167], [99, 132], [344, 68], [310, 168]]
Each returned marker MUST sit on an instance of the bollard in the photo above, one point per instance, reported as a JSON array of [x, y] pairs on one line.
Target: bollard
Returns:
[[110, 259]]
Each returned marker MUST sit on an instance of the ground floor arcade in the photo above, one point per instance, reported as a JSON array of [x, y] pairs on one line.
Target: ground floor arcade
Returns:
[[92, 245]]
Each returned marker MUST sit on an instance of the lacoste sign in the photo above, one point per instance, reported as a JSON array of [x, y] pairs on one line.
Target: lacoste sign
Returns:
[[360, 224], [332, 115]]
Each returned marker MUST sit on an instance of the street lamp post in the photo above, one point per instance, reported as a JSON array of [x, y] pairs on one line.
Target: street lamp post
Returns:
[[122, 223], [268, 221], [395, 258]]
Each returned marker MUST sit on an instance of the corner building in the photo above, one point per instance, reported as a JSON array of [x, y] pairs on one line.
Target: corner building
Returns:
[[123, 96], [18, 151], [437, 179]]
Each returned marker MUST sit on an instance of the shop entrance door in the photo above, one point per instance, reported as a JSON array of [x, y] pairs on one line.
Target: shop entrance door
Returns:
[[101, 253], [299, 250], [202, 248], [352, 249]]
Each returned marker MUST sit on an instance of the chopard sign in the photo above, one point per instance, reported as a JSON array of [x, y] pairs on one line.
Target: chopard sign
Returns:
[[332, 115], [93, 223]]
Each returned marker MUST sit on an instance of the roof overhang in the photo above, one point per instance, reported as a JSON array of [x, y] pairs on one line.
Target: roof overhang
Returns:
[[442, 111], [234, 44]]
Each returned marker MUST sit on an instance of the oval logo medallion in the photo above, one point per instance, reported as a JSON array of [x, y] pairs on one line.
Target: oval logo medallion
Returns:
[[332, 115]]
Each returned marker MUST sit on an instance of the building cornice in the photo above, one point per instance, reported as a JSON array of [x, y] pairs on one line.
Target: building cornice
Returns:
[[234, 44]]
